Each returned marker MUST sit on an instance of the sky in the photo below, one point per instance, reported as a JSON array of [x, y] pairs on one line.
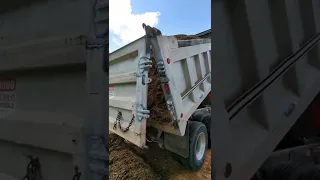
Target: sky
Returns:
[[169, 16]]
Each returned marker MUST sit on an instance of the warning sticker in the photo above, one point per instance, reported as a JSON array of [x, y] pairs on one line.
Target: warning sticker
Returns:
[[7, 97], [111, 91]]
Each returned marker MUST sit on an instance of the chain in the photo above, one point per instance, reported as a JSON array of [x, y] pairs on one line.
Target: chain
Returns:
[[77, 174], [118, 120], [33, 169]]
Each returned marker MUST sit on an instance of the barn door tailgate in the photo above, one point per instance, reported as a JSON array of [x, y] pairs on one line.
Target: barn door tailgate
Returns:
[[128, 75]]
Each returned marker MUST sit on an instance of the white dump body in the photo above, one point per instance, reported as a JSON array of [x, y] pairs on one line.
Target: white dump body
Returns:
[[44, 98], [188, 67]]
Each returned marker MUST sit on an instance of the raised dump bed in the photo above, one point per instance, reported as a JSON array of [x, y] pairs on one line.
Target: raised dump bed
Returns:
[[155, 84]]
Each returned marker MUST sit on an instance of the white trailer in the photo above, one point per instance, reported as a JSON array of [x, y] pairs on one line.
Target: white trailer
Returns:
[[184, 69]]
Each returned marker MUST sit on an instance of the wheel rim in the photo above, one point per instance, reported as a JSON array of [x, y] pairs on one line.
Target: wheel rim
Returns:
[[200, 146]]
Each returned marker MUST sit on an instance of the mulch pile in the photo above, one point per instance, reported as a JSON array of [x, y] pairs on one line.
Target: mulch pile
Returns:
[[129, 162], [186, 37], [156, 101], [124, 164]]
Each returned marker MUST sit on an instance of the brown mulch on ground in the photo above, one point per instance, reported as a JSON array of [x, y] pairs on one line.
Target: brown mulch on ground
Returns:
[[128, 162], [125, 164]]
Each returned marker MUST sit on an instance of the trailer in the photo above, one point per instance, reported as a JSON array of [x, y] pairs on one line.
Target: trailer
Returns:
[[52, 86], [181, 74]]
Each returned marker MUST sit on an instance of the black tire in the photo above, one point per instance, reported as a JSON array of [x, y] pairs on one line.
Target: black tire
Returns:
[[199, 114], [205, 118], [196, 130]]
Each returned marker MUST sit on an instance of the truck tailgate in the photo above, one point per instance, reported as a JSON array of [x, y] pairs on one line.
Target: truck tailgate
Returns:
[[127, 93]]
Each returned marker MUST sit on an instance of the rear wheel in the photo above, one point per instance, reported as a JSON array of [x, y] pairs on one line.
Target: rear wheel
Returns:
[[206, 120], [198, 145], [203, 116]]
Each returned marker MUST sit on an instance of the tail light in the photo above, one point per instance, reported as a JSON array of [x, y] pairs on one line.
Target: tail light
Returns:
[[168, 60], [209, 97], [167, 88]]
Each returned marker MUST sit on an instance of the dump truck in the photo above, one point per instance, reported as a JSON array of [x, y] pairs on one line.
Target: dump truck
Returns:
[[156, 86], [264, 97]]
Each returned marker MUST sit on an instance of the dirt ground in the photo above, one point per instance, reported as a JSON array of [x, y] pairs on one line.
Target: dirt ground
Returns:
[[130, 162]]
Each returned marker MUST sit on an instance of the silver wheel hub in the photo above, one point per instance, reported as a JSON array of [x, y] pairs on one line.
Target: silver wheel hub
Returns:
[[200, 146]]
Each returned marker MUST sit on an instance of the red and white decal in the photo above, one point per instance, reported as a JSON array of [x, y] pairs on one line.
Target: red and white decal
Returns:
[[7, 96], [7, 84], [111, 91]]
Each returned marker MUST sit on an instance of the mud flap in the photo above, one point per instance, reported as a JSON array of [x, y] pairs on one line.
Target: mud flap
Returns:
[[177, 144]]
